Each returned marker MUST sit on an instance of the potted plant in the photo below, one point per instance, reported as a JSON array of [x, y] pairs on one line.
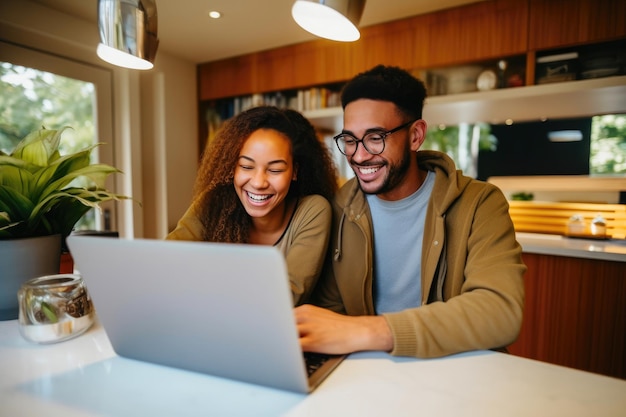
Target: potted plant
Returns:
[[39, 205]]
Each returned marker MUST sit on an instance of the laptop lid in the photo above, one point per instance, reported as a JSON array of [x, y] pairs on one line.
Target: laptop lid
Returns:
[[219, 309]]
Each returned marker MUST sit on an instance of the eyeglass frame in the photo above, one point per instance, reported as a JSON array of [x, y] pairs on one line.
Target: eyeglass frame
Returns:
[[383, 135]]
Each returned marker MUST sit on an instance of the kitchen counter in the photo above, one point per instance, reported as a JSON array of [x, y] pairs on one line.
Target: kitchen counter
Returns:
[[548, 244]]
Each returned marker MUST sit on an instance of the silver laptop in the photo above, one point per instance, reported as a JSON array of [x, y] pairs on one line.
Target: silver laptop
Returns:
[[219, 309]]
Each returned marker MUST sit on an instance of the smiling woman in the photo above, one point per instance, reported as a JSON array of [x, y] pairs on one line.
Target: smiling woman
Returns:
[[266, 179], [262, 179]]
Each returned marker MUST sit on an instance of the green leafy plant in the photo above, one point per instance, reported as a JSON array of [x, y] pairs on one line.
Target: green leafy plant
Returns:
[[37, 192], [522, 196]]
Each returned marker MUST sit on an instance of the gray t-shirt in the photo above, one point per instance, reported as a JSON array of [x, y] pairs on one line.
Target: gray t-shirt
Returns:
[[398, 235]]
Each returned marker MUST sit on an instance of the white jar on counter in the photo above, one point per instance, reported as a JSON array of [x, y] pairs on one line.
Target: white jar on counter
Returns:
[[576, 225], [598, 226]]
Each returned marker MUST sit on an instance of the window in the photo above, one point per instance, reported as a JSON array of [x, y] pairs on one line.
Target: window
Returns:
[[484, 150], [608, 145], [38, 89], [462, 143]]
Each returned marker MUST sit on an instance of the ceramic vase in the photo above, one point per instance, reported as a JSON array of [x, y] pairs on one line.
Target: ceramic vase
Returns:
[[21, 260]]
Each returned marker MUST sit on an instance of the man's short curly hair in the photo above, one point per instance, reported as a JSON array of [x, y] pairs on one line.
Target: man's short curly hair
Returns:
[[387, 83]]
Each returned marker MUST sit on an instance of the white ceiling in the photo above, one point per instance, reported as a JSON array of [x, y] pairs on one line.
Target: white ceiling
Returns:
[[186, 31]]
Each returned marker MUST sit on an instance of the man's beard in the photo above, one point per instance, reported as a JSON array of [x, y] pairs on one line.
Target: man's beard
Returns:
[[395, 175]]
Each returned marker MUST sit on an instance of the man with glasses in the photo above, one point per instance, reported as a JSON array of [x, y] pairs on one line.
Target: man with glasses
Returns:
[[423, 261]]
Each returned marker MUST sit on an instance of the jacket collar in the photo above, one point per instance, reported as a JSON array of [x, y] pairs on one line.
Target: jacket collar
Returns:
[[353, 201], [455, 182]]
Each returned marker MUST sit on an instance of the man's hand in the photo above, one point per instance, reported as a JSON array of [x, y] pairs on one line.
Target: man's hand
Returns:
[[324, 331]]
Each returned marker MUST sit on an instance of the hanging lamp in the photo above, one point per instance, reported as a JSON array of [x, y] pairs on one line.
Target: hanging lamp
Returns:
[[336, 20], [128, 33]]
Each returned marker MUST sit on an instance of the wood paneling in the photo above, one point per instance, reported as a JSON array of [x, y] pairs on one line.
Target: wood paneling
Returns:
[[227, 78], [276, 69], [388, 44], [553, 23], [322, 62], [337, 59], [575, 314], [602, 19], [309, 64], [556, 23], [479, 31], [421, 32]]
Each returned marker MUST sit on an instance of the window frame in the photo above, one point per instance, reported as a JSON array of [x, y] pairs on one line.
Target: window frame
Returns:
[[102, 79]]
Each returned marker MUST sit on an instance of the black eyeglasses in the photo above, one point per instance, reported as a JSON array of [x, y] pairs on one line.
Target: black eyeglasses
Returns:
[[373, 141]]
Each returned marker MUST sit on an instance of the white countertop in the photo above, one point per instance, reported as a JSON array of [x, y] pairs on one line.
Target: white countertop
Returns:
[[547, 244], [84, 377]]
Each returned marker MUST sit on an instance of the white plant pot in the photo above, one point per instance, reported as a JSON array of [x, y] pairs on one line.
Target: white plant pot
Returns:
[[21, 260]]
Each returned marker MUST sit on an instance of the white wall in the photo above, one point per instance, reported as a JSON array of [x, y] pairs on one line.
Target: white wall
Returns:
[[154, 113], [170, 146]]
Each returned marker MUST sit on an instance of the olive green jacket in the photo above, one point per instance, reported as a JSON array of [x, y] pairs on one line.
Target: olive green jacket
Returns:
[[472, 270], [303, 244]]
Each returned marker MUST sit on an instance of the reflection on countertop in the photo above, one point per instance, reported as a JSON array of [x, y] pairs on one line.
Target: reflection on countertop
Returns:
[[549, 244]]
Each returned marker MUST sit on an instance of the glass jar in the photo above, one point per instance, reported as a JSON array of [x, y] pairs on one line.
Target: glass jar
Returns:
[[54, 308]]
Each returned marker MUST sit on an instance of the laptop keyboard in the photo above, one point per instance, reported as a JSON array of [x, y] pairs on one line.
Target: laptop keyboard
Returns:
[[314, 361]]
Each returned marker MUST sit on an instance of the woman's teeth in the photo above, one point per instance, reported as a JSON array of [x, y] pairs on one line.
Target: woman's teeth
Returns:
[[258, 197]]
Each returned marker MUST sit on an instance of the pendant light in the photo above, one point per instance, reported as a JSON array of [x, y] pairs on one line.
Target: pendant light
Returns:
[[128, 33], [336, 20]]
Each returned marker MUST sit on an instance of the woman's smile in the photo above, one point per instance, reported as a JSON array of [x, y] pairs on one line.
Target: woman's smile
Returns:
[[263, 175]]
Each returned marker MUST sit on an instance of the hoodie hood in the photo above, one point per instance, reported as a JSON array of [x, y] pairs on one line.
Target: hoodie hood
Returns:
[[352, 205], [440, 163], [353, 202]]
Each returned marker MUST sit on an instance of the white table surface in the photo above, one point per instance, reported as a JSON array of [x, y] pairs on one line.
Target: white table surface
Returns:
[[84, 377]]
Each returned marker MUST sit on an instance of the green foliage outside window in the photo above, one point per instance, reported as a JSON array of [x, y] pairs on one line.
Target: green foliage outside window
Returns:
[[32, 99], [608, 145], [461, 143]]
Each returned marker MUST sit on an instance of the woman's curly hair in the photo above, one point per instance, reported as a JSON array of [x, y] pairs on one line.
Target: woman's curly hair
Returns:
[[219, 208]]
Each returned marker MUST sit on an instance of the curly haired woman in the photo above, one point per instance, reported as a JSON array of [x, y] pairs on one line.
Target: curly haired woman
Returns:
[[266, 179]]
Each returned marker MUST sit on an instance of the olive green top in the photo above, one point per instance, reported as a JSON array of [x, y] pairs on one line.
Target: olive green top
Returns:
[[303, 244]]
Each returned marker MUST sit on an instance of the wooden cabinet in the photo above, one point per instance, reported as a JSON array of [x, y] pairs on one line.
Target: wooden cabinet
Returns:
[[575, 313], [322, 62], [275, 69], [311, 63], [475, 32], [227, 78], [478, 32], [557, 23], [389, 44]]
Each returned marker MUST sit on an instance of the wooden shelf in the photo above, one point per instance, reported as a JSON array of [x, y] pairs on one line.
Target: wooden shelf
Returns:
[[328, 120], [536, 102]]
